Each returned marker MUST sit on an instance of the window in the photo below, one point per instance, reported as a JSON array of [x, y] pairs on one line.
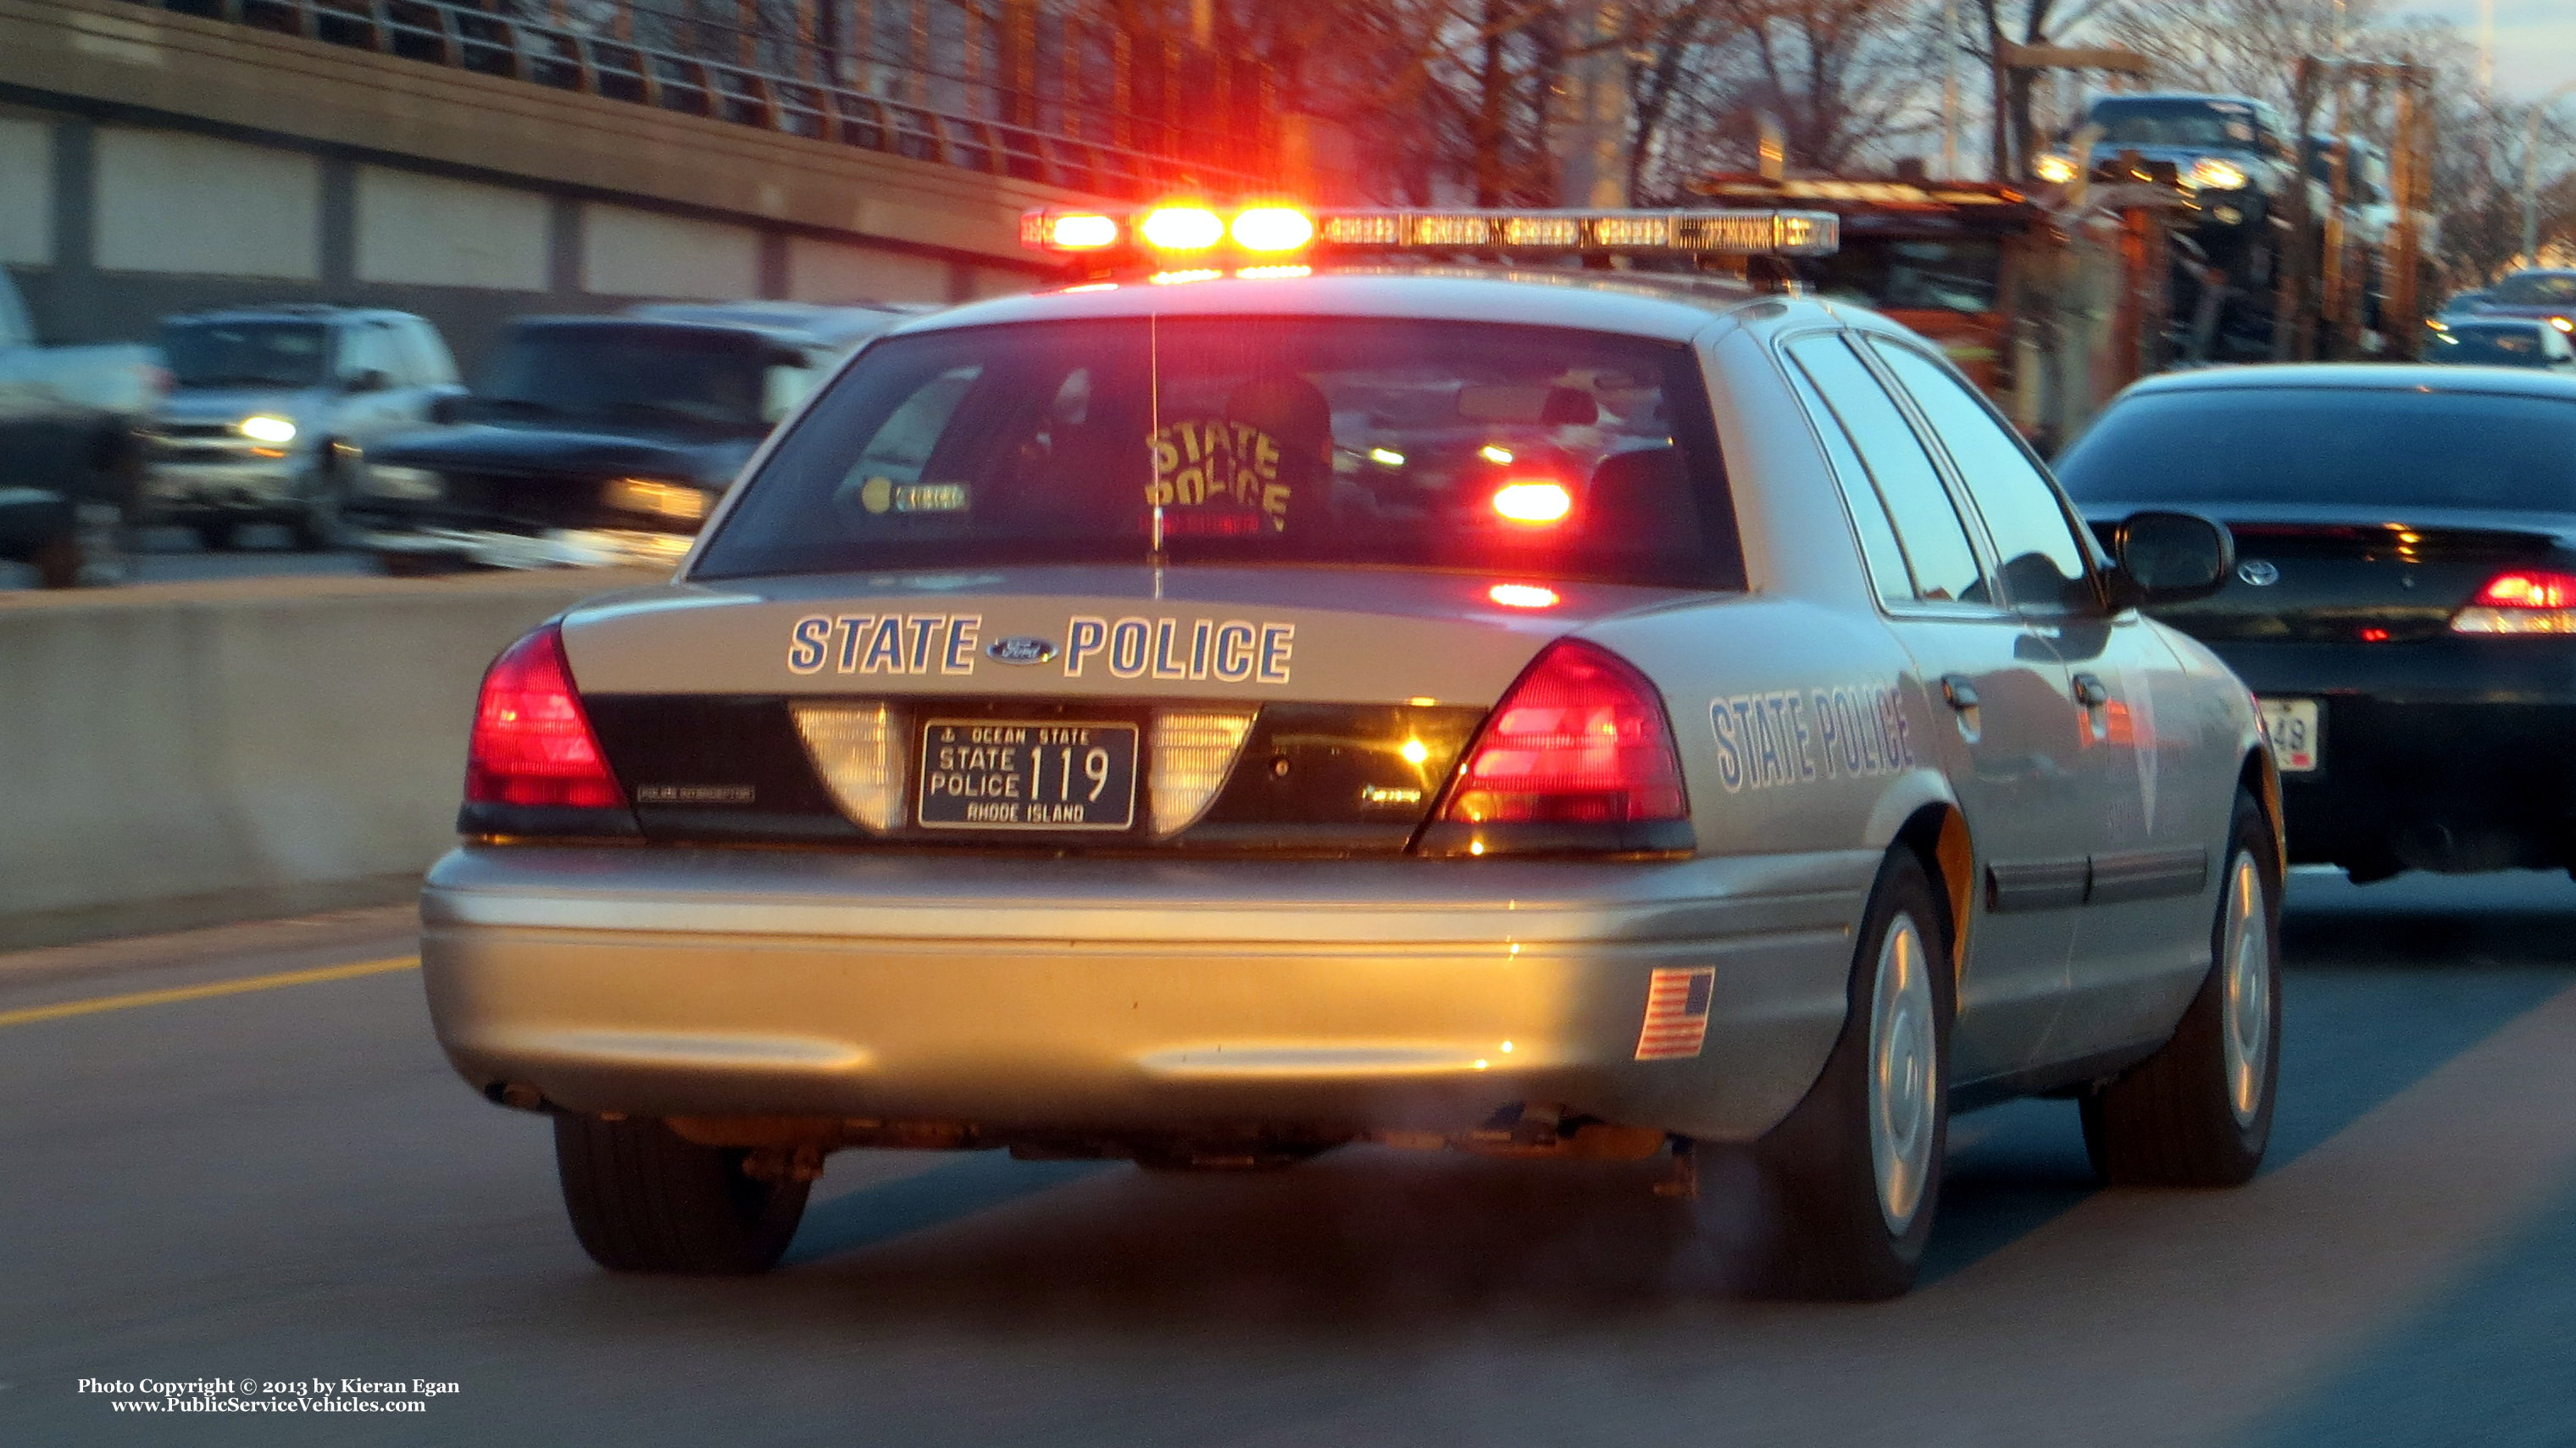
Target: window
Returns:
[[692, 379], [2042, 561], [246, 354], [369, 347], [426, 351], [1937, 552], [1505, 450], [1878, 547], [2535, 289], [2357, 447]]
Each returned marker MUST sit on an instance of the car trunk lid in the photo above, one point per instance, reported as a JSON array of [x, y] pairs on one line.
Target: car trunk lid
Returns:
[[2324, 574], [1062, 708]]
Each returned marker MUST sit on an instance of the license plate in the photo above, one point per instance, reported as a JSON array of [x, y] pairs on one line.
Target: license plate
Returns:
[[2297, 744], [1027, 774]]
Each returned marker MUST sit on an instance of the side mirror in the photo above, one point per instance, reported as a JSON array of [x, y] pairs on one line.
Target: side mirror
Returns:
[[447, 407], [2169, 558], [371, 380]]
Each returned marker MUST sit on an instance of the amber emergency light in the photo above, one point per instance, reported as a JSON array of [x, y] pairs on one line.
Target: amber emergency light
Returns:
[[1201, 231]]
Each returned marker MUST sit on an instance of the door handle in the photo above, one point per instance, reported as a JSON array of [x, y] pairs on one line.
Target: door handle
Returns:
[[2091, 692], [1958, 693]]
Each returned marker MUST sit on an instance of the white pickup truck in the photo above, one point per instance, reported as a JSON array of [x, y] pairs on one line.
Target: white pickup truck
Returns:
[[69, 457]]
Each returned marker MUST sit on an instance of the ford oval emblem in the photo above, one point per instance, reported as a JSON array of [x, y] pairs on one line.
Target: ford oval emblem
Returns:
[[2259, 572], [1019, 649]]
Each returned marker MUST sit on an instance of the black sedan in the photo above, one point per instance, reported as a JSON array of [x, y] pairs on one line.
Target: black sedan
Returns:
[[2404, 598]]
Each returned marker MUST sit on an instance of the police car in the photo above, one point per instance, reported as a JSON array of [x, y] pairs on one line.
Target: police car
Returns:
[[1356, 677]]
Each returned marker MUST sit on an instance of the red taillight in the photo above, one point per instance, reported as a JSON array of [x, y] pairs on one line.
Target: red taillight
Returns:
[[532, 744], [2529, 588], [1580, 739]]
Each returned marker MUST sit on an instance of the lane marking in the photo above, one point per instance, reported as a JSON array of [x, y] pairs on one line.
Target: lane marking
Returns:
[[95, 1004]]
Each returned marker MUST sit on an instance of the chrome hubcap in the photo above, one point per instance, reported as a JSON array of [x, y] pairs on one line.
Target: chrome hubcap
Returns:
[[2248, 965], [1901, 1084]]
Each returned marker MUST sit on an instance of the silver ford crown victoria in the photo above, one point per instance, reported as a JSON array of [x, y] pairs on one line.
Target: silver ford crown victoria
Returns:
[[1213, 715]]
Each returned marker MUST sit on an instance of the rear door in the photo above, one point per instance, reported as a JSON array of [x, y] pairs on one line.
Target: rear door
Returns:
[[2003, 690], [2144, 831]]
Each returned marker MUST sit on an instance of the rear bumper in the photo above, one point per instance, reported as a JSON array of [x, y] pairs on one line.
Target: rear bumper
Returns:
[[1046, 994], [2446, 754]]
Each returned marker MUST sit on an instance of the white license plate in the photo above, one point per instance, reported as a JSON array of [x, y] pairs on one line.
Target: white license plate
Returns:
[[2297, 743]]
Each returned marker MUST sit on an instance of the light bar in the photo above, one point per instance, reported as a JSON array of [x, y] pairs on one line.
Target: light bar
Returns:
[[1735, 232], [1275, 230]]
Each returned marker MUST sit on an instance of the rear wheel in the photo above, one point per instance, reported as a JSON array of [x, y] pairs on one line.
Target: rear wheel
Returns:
[[644, 1200], [2198, 1113], [1846, 1185]]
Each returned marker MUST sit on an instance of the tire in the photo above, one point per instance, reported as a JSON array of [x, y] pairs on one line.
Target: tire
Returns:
[[317, 527], [58, 563], [215, 536], [1845, 1187], [420, 565], [2198, 1113], [106, 545], [644, 1200]]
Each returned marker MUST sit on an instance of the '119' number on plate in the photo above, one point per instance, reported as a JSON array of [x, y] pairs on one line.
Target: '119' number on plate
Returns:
[[1015, 774]]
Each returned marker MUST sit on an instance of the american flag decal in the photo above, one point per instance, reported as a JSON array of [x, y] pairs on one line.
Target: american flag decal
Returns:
[[1676, 1013]]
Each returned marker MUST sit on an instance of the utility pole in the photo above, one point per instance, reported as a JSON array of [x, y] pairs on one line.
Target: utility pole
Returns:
[[2486, 50], [2531, 173]]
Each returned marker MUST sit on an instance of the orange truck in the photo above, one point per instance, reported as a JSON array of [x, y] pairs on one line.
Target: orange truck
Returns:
[[1943, 257]]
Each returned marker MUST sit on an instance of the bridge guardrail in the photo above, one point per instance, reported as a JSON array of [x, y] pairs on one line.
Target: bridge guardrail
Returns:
[[441, 32]]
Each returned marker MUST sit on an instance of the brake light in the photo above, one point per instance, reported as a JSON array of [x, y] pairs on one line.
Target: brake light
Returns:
[[1532, 503], [2529, 590], [1580, 738], [532, 744], [1522, 595], [2521, 601]]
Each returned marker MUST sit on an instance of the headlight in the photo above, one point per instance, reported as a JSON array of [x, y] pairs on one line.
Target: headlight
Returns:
[[2053, 168], [649, 495], [266, 427], [393, 482], [2212, 174]]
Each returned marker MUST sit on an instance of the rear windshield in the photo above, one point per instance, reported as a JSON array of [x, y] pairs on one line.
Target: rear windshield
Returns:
[[2362, 446], [2488, 347], [1250, 440]]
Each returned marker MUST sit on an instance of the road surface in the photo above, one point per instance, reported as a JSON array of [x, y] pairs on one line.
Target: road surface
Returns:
[[237, 1155]]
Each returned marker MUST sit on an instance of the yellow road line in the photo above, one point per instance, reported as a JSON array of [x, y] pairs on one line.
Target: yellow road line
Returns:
[[200, 992]]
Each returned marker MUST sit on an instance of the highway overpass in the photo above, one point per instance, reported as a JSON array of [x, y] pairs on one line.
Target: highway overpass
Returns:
[[471, 167]]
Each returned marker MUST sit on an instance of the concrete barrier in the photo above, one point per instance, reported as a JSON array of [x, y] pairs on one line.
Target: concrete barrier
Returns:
[[177, 755]]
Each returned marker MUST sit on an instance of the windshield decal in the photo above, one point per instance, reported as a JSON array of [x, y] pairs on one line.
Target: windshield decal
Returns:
[[1785, 737]]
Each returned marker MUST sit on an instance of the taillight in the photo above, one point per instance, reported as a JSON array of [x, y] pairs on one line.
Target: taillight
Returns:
[[532, 744], [2521, 601], [1579, 740]]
